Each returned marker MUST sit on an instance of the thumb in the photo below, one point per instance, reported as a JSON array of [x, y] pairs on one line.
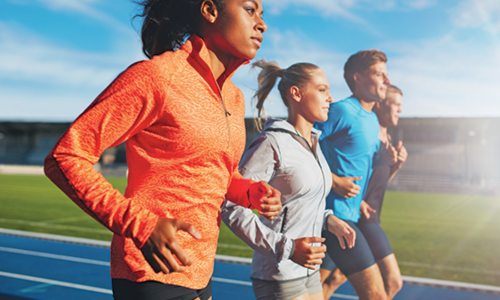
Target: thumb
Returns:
[[265, 189], [356, 178], [181, 225], [386, 145], [400, 145]]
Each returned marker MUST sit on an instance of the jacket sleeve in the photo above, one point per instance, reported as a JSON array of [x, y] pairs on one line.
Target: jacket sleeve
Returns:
[[326, 215], [129, 105], [259, 163]]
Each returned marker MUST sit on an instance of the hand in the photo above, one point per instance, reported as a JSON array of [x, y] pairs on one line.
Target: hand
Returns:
[[266, 199], [161, 249], [365, 210], [402, 153], [306, 255], [389, 155], [345, 186], [342, 230]]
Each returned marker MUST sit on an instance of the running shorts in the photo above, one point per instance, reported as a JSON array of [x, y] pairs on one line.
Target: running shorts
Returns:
[[286, 290], [152, 290]]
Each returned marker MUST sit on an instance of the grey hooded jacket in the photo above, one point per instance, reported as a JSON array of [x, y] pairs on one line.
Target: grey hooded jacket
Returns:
[[284, 159]]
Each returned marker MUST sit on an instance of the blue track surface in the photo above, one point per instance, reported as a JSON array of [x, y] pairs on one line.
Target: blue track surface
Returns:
[[48, 270]]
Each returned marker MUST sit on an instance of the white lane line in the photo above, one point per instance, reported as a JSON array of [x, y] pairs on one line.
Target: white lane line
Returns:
[[342, 296], [57, 282], [55, 256], [49, 225], [247, 283]]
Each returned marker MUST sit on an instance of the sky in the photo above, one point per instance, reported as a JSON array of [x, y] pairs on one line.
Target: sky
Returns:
[[56, 56]]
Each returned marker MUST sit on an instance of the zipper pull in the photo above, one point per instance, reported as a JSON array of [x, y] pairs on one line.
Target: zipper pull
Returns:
[[227, 113]]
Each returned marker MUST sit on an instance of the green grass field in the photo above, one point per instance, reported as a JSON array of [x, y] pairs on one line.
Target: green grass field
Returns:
[[450, 237]]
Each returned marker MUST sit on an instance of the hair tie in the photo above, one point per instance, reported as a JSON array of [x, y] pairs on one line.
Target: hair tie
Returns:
[[281, 72]]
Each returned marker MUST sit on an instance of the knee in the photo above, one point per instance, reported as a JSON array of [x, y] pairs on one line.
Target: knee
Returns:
[[394, 286]]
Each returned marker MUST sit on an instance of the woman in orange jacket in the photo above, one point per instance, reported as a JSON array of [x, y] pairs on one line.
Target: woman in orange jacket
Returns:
[[182, 120]]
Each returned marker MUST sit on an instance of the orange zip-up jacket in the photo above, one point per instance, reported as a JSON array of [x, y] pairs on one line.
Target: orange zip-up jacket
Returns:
[[184, 139]]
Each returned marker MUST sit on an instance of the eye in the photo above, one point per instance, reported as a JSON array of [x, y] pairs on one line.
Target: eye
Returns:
[[250, 10]]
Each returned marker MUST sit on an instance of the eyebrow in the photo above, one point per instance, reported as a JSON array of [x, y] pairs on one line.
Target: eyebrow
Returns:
[[257, 5]]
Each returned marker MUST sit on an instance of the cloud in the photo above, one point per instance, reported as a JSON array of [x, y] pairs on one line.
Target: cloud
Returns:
[[34, 73], [484, 14], [85, 8], [439, 77]]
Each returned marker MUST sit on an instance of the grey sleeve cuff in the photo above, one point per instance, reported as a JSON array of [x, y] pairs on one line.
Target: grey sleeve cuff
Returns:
[[288, 249], [328, 213]]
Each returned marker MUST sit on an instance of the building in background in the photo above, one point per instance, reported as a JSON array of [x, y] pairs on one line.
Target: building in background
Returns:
[[446, 155]]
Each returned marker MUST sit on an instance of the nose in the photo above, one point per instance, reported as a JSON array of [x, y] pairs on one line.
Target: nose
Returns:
[[261, 25], [387, 80], [330, 98]]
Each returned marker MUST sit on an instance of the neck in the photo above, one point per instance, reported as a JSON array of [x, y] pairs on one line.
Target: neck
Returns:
[[302, 126], [218, 66], [364, 101], [383, 133]]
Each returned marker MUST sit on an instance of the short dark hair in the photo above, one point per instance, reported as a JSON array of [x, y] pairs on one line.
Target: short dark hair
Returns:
[[360, 62], [168, 23]]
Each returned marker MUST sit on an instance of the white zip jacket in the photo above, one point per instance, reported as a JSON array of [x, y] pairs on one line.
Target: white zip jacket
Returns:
[[284, 159]]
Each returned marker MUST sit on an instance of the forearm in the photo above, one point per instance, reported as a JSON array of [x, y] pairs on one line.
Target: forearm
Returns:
[[247, 226], [77, 178], [394, 169], [238, 190]]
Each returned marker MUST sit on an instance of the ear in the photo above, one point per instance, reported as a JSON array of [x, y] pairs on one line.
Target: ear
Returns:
[[295, 93], [209, 11]]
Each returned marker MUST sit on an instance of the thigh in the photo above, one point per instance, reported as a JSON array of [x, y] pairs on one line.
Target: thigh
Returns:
[[377, 239], [327, 263], [389, 269], [368, 283], [353, 260], [153, 290]]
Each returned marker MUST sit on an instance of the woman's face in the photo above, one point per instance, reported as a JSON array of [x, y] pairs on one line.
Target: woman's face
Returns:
[[316, 98], [238, 29]]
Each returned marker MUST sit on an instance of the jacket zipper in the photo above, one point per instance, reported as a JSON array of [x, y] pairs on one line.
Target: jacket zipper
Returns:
[[285, 211], [226, 113]]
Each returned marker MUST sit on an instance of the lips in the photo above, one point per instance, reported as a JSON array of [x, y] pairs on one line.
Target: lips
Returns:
[[258, 40]]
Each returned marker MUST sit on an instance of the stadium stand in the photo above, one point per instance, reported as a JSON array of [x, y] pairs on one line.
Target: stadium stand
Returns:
[[446, 155]]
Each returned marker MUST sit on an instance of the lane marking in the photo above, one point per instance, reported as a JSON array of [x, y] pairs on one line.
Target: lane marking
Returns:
[[342, 296], [441, 267], [56, 226], [57, 282], [56, 256], [234, 246], [247, 283]]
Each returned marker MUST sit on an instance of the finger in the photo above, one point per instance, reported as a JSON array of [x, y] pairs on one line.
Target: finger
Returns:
[[151, 260], [318, 252], [181, 225], [400, 144], [313, 239], [356, 178], [312, 267], [171, 261], [314, 262], [386, 145], [175, 248], [159, 263], [341, 241], [355, 188], [265, 189]]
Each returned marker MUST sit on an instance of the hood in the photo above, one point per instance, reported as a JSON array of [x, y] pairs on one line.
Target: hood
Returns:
[[284, 125]]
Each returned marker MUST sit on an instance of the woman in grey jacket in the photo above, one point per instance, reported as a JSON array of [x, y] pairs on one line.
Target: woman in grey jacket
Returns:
[[288, 249]]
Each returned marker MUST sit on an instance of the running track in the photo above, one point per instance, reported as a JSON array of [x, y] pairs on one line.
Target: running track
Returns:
[[46, 267]]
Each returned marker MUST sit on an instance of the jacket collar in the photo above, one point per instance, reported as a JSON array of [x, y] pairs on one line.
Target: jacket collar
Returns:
[[284, 125], [199, 58]]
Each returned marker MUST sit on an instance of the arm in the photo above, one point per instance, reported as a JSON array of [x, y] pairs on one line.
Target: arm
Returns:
[[259, 163], [345, 186], [402, 155], [117, 114], [129, 105]]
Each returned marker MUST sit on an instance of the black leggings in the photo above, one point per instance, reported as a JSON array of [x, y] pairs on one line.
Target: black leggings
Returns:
[[152, 290]]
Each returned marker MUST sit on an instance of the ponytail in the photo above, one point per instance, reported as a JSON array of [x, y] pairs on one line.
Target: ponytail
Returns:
[[267, 79], [296, 75]]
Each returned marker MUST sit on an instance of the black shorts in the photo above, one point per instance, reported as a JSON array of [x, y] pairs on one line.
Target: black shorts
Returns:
[[371, 245], [152, 290]]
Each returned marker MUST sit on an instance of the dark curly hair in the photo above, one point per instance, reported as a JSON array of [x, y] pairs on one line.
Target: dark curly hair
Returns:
[[168, 23]]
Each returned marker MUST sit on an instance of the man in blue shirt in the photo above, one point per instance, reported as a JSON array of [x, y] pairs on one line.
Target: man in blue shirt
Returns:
[[350, 140]]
